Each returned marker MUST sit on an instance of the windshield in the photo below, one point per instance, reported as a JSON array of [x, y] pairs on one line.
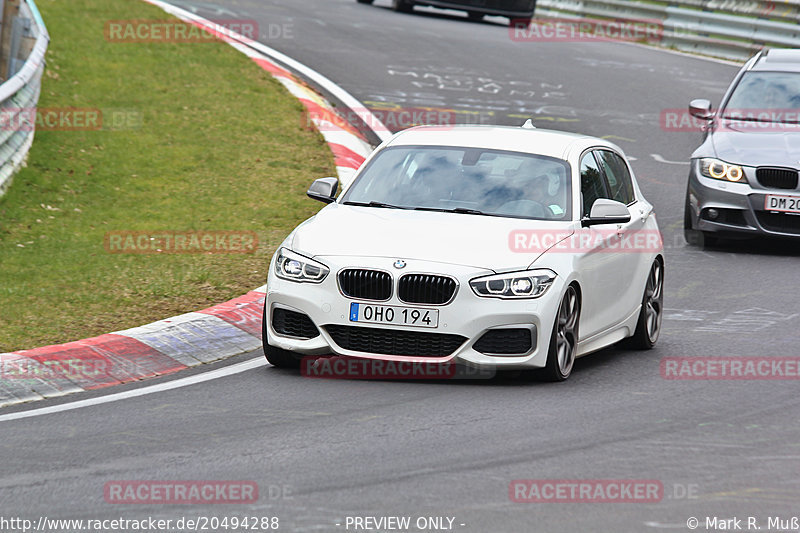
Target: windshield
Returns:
[[469, 180], [758, 91]]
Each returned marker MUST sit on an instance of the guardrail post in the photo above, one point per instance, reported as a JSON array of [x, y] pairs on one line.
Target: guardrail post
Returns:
[[10, 13]]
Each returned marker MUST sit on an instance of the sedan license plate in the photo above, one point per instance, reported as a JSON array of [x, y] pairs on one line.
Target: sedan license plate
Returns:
[[397, 316], [786, 204]]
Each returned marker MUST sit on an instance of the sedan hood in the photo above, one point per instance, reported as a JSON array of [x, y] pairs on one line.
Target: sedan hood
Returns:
[[750, 145], [472, 240]]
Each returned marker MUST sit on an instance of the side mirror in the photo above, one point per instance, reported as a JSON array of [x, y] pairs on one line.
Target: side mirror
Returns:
[[605, 211], [324, 190], [701, 108]]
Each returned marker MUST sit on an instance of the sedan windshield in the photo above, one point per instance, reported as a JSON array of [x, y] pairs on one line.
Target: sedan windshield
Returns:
[[465, 180], [758, 91]]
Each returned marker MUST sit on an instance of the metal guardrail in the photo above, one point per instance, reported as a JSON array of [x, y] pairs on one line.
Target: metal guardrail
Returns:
[[732, 29], [23, 43]]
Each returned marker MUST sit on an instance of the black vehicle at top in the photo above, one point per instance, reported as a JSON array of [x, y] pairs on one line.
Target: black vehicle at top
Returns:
[[476, 9]]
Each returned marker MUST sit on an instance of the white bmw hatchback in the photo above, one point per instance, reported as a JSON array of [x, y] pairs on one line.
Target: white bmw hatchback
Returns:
[[500, 247]]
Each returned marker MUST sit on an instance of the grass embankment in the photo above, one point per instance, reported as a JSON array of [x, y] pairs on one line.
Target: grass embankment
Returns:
[[205, 140]]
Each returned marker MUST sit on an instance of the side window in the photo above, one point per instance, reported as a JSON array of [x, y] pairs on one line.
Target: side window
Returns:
[[618, 176], [592, 183]]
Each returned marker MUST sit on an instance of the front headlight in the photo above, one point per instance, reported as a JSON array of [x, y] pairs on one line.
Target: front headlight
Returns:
[[720, 170], [295, 267], [525, 284]]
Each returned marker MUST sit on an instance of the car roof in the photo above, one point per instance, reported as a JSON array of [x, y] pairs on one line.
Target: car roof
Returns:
[[515, 139], [783, 59]]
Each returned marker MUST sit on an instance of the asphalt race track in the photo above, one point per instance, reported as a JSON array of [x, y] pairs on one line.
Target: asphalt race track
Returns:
[[323, 450]]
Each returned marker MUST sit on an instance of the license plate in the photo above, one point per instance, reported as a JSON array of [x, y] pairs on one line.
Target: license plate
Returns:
[[787, 204], [397, 316]]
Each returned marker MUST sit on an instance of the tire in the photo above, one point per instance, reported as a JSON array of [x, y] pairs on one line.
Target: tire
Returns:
[[276, 356], [474, 16], [402, 6], [648, 327], [365, 1], [564, 338]]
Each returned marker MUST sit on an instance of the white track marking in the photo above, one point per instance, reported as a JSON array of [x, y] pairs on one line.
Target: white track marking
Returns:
[[660, 159], [237, 368]]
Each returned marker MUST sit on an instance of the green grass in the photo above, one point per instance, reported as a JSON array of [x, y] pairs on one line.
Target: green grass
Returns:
[[221, 146]]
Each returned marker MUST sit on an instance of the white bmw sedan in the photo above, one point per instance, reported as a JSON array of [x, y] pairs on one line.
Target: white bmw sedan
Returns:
[[487, 246]]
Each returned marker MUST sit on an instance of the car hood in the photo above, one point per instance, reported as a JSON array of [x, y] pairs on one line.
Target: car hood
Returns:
[[749, 146], [472, 240]]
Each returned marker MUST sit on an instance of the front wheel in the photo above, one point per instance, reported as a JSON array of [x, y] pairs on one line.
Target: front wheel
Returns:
[[648, 326], [564, 338]]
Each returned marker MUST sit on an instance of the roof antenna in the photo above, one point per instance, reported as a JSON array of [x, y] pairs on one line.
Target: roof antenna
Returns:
[[529, 125]]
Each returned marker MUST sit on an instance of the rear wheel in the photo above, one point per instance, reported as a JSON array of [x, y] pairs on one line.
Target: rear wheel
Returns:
[[276, 356], [648, 326], [564, 338], [403, 6]]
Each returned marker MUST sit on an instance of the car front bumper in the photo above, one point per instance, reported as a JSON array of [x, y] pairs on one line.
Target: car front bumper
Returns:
[[467, 315], [739, 206]]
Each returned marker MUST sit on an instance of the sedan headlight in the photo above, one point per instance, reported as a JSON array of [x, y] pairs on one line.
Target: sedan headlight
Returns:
[[295, 267], [720, 170], [514, 285]]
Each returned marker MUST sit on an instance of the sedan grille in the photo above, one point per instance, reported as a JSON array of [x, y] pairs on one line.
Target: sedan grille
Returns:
[[394, 342], [365, 284], [777, 178], [516, 341], [426, 289], [293, 324]]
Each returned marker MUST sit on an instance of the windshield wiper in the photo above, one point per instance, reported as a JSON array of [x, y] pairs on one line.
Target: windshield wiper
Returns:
[[463, 210], [374, 204]]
